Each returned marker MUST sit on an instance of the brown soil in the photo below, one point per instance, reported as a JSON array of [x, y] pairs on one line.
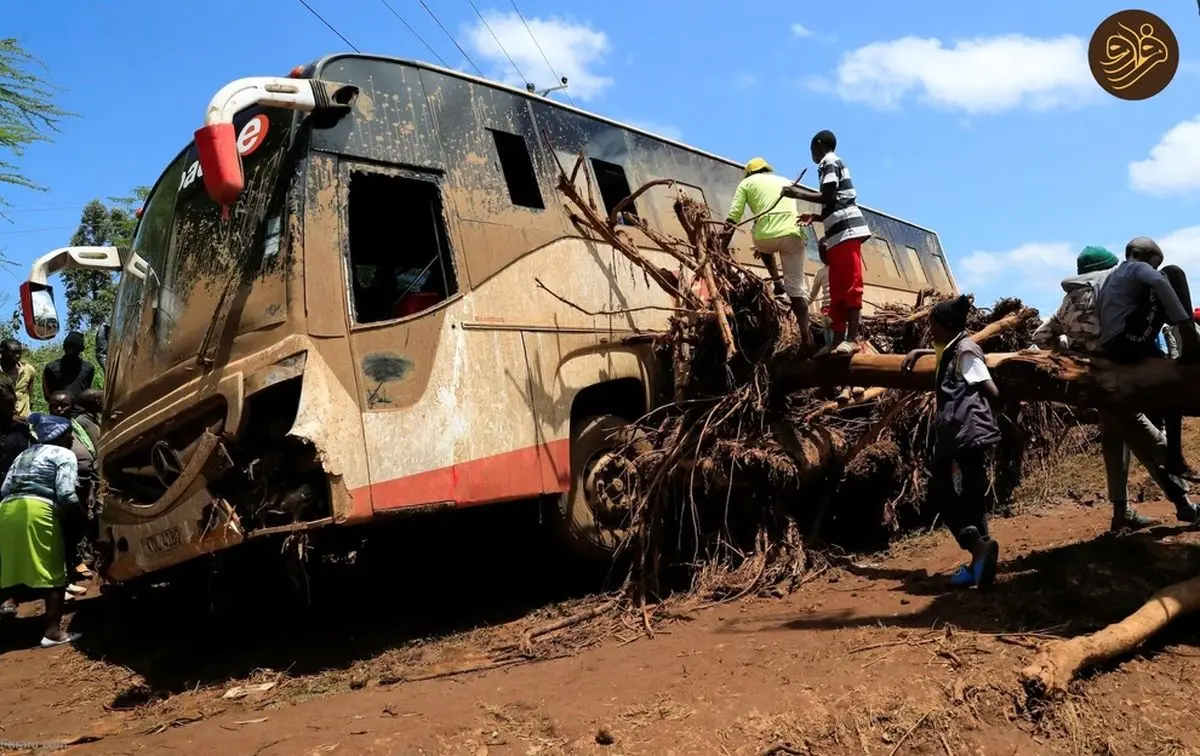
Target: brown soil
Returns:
[[875, 656]]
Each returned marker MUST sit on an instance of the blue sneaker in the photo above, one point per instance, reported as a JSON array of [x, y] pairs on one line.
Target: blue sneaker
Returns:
[[984, 568], [963, 577]]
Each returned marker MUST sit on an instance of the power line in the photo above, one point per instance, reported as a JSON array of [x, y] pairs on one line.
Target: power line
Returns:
[[499, 44], [540, 50], [13, 210], [421, 39], [450, 36], [330, 26], [36, 230]]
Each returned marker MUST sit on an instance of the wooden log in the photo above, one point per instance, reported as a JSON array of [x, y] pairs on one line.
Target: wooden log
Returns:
[[1152, 386], [1058, 663]]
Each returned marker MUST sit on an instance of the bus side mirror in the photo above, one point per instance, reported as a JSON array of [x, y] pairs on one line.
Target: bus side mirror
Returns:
[[38, 310], [220, 163]]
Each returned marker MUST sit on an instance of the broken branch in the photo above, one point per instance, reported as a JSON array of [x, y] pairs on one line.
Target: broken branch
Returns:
[[533, 633], [1052, 671], [615, 215]]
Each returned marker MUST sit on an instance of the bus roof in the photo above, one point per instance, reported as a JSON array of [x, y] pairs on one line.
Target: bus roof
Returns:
[[319, 64]]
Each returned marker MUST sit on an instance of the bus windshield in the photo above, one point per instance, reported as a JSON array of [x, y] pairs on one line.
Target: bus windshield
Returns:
[[193, 255]]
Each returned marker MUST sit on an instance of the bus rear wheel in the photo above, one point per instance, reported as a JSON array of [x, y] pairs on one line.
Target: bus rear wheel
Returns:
[[592, 517]]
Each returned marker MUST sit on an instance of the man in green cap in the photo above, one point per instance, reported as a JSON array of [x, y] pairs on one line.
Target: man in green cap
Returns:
[[1076, 325]]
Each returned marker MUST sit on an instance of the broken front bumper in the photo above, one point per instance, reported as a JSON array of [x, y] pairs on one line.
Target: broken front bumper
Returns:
[[187, 521]]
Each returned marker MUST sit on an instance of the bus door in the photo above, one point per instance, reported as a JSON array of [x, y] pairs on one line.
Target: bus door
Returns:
[[443, 405]]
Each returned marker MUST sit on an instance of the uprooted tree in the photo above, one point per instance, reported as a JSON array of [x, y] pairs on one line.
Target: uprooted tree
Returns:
[[749, 451], [730, 479]]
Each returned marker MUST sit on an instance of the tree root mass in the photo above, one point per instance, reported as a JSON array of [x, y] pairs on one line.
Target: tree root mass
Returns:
[[734, 466]]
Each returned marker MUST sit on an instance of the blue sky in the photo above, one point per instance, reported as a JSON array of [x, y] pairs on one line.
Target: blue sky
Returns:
[[979, 120]]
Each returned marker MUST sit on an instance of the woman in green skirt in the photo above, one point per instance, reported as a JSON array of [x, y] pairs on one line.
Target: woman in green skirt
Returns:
[[38, 491]]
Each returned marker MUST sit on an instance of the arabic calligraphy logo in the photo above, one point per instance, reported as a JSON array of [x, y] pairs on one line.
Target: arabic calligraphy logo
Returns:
[[1133, 55]]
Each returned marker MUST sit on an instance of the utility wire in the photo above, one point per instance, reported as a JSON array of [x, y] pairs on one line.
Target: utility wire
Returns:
[[499, 44], [420, 39], [450, 36], [540, 50], [36, 230], [330, 26], [11, 210]]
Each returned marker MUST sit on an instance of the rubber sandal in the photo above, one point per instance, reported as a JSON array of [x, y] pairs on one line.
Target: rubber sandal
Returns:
[[71, 638], [963, 577], [985, 566], [845, 349]]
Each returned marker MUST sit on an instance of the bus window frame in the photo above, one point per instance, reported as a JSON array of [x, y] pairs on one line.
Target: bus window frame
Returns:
[[347, 166]]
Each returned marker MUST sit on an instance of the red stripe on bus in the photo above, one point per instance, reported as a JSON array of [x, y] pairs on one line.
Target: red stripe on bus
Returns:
[[518, 474]]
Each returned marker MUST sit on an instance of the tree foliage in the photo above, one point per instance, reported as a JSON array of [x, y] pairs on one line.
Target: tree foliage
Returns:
[[27, 110], [90, 293]]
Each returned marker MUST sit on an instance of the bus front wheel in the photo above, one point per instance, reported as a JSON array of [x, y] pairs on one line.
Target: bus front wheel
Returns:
[[592, 516]]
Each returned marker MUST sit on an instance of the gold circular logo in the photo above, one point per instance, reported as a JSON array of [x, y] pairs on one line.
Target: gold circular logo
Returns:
[[1133, 55]]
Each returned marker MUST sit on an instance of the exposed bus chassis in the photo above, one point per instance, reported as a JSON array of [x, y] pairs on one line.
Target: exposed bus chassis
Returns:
[[192, 487]]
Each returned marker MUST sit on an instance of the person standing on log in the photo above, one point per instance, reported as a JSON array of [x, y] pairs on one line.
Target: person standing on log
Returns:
[[777, 230], [1133, 304], [845, 229], [1075, 326], [965, 429]]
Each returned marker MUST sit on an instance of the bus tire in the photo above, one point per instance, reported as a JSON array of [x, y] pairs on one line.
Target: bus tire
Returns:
[[579, 520]]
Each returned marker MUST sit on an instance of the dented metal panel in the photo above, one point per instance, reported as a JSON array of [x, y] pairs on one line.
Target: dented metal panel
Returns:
[[390, 121]]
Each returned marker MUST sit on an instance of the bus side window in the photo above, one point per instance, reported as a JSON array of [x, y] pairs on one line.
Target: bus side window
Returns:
[[400, 258], [613, 185], [517, 167], [878, 257], [941, 279], [914, 264]]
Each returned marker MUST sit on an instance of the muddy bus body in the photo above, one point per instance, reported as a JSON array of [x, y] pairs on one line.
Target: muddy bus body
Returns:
[[367, 327]]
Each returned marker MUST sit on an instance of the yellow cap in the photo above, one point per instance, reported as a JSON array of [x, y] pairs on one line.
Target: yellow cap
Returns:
[[757, 164]]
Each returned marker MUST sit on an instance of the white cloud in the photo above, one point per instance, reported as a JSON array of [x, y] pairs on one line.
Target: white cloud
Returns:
[[1031, 271], [1034, 271], [1035, 260], [801, 31], [1174, 163], [659, 129], [981, 75], [574, 50], [1182, 248]]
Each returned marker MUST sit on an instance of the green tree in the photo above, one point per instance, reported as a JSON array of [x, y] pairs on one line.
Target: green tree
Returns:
[[90, 293], [27, 111]]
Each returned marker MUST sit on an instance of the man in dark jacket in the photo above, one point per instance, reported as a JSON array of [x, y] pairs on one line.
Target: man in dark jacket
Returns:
[[1134, 303], [70, 373], [965, 430]]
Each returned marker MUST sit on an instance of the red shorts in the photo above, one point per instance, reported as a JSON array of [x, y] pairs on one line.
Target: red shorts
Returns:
[[845, 281]]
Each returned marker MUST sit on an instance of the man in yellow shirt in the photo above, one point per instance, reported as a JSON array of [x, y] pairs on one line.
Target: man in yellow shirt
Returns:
[[20, 373], [776, 231]]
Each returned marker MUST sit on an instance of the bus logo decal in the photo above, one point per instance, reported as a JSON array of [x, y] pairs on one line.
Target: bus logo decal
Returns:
[[252, 135], [250, 138]]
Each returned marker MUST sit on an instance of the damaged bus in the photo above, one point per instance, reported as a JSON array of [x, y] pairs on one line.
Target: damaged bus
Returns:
[[337, 307]]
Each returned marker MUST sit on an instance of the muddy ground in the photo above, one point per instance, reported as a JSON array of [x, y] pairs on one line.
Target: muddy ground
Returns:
[[874, 656]]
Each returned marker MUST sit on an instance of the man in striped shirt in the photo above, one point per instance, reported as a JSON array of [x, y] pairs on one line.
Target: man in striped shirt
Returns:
[[845, 230]]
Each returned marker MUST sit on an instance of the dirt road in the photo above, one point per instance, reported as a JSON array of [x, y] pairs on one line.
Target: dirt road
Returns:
[[873, 657]]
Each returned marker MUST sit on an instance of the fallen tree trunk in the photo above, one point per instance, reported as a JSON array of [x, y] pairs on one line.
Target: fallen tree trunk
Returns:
[[1155, 385], [1054, 668]]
